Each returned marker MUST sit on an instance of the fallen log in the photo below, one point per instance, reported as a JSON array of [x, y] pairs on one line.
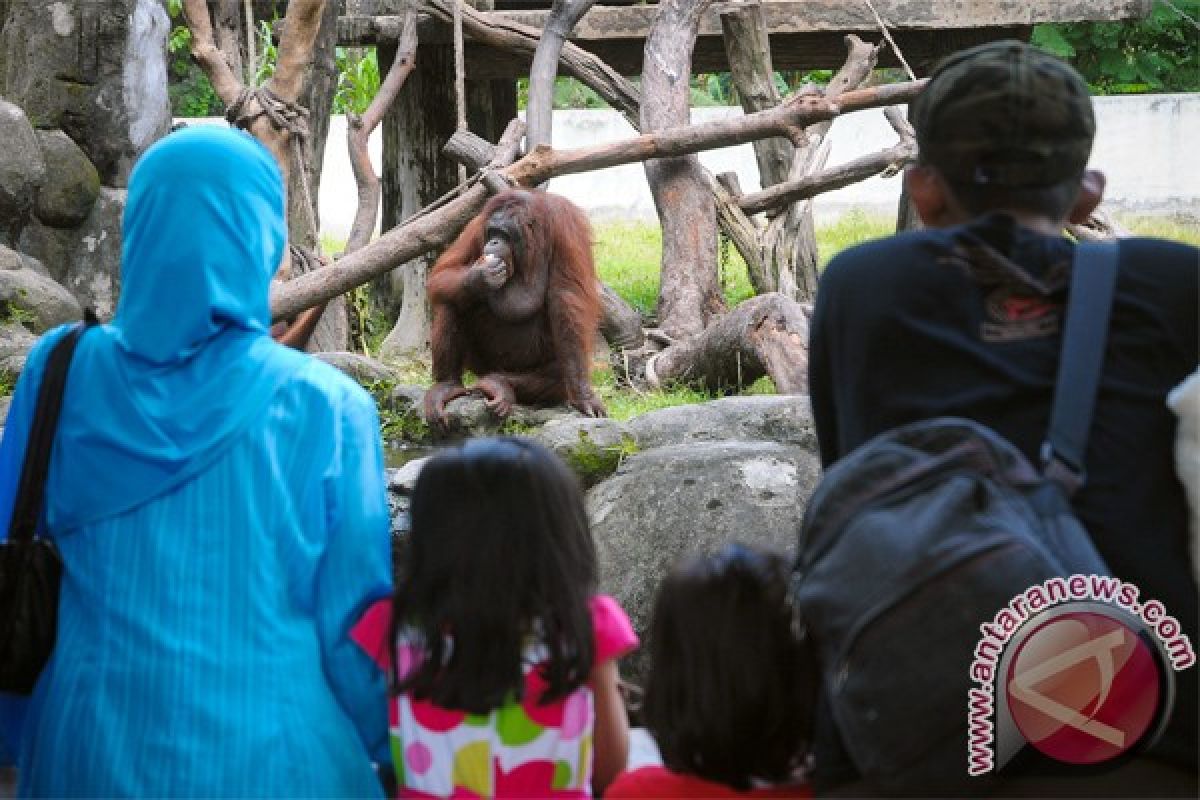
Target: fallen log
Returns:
[[765, 335]]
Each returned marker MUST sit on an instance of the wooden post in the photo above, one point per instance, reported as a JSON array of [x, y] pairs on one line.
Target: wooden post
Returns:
[[415, 172], [332, 332], [689, 295]]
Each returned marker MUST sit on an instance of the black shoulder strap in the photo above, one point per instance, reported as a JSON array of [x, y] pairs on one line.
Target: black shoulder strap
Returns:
[[1085, 335], [28, 506]]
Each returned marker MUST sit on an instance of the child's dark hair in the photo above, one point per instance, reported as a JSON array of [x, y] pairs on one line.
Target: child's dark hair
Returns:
[[732, 684], [500, 557]]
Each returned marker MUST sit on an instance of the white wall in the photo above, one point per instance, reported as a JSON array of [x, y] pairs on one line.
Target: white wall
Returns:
[[1148, 145]]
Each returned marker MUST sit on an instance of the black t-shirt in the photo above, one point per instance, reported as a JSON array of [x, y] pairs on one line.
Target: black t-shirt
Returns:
[[966, 321]]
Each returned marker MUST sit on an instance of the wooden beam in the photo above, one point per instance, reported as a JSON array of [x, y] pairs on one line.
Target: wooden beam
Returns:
[[807, 16], [603, 23]]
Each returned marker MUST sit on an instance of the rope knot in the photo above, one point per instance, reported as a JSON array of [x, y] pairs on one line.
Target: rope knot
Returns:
[[291, 118]]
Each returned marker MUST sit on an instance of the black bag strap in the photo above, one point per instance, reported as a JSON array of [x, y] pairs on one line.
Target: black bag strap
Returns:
[[1085, 336], [31, 491]]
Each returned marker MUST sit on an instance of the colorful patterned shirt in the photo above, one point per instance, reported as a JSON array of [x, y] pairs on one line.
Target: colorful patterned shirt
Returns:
[[522, 749]]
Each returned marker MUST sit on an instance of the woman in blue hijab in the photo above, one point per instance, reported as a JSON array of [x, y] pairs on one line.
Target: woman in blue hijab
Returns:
[[219, 504]]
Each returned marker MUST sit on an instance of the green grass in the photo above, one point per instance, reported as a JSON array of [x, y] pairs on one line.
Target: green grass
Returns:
[[1162, 228], [628, 256]]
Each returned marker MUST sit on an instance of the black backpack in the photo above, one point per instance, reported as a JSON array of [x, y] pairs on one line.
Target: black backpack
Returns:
[[922, 534]]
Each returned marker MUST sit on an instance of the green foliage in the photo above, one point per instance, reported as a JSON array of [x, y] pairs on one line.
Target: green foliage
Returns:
[[266, 52], [8, 383], [404, 425], [1160, 53], [358, 80], [188, 87], [593, 463], [12, 314]]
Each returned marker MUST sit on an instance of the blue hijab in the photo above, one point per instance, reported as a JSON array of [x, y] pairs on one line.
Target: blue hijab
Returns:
[[187, 363]]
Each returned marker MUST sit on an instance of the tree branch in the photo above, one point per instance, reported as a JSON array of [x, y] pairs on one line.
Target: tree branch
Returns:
[[436, 229], [891, 160], [564, 14], [359, 132]]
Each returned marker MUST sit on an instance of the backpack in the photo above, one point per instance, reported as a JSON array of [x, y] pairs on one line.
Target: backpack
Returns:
[[919, 536]]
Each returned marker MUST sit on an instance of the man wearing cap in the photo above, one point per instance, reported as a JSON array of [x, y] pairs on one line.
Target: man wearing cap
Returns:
[[964, 319]]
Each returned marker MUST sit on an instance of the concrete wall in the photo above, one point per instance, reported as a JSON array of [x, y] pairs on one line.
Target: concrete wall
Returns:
[[1147, 145]]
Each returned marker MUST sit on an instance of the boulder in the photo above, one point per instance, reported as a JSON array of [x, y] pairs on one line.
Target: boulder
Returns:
[[29, 297], [93, 270], [96, 70], [363, 369], [22, 171], [85, 259], [15, 344], [666, 503], [467, 416], [595, 447], [72, 182]]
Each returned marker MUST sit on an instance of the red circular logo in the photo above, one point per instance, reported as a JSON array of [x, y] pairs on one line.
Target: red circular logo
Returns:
[[1083, 687]]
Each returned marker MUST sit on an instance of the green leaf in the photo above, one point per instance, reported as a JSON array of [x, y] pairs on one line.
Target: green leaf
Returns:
[[1050, 38]]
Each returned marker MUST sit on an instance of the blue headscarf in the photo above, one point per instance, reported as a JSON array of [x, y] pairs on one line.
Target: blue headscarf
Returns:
[[187, 363]]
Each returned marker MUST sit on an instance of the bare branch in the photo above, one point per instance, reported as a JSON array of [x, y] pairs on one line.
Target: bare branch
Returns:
[[300, 28], [799, 111], [538, 114], [418, 235], [891, 160], [359, 132]]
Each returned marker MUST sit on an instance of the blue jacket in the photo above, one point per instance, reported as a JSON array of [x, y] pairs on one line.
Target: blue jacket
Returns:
[[219, 504]]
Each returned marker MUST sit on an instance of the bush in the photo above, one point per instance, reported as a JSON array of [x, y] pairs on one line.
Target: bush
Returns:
[[1157, 54]]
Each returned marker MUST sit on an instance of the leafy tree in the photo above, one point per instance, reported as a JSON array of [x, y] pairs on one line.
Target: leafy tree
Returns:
[[1160, 53]]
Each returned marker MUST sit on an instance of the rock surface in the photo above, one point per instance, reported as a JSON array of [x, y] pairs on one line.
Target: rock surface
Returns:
[[672, 501], [95, 70], [86, 259], [27, 293], [363, 369], [767, 418], [72, 182], [15, 344], [22, 170]]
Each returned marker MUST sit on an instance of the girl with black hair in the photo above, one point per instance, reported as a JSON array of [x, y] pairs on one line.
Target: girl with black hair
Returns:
[[503, 659], [732, 683]]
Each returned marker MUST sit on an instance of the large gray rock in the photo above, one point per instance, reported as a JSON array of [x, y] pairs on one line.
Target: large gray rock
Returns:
[[52, 247], [363, 369], [596, 446], [22, 170], [95, 70], [72, 182], [87, 259], [94, 272], [34, 299], [666, 503], [15, 344]]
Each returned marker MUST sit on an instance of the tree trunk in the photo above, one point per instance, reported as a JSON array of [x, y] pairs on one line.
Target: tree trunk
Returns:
[[415, 174], [332, 333], [540, 106], [689, 294], [228, 29]]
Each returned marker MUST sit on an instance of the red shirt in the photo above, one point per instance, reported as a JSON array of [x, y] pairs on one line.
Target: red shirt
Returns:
[[661, 782]]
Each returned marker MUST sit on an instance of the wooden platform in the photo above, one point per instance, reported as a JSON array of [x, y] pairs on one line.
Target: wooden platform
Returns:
[[805, 34]]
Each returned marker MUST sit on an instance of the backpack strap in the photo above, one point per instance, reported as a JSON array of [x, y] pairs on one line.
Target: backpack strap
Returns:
[[27, 509], [1085, 335]]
